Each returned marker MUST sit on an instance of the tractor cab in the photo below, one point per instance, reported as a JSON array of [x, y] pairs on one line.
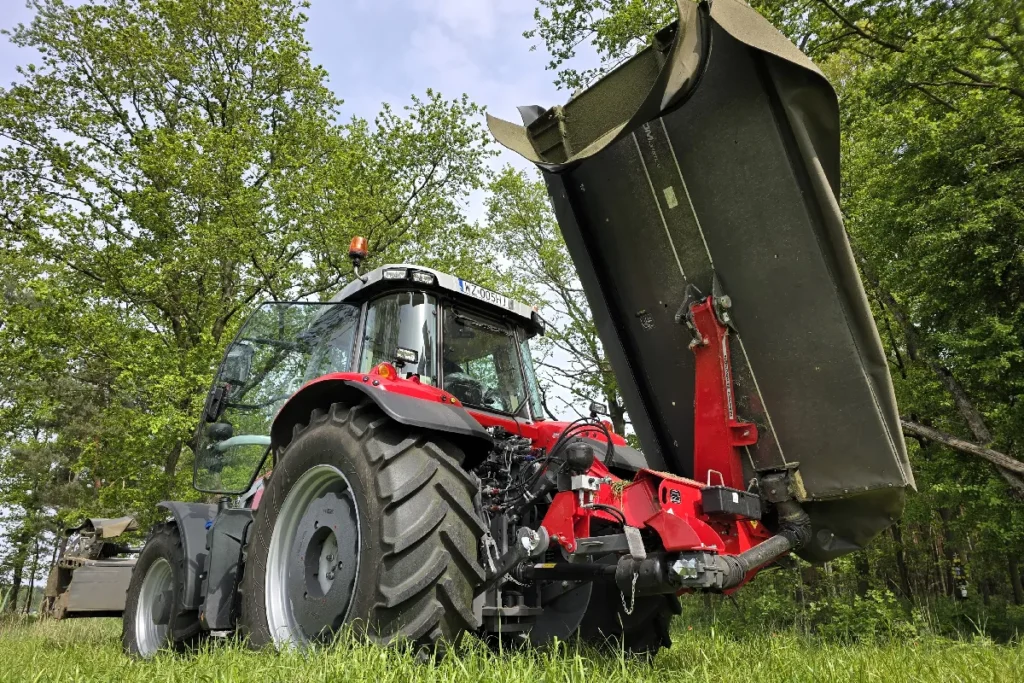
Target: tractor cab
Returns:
[[425, 330]]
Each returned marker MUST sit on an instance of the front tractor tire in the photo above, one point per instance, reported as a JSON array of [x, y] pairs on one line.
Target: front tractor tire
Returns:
[[155, 617], [641, 633], [365, 522]]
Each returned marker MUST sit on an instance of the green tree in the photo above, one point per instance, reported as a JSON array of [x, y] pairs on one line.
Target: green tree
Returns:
[[165, 165]]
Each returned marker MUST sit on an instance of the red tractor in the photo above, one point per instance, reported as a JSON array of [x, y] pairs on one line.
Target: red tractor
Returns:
[[392, 466]]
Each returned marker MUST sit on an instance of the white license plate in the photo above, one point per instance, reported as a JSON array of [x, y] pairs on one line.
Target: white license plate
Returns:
[[478, 292]]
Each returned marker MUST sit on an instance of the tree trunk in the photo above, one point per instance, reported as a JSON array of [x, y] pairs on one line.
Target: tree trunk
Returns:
[[1015, 583], [901, 561], [863, 569], [171, 464], [17, 568], [12, 598], [943, 584], [32, 578], [1011, 469], [967, 411], [953, 557], [617, 414]]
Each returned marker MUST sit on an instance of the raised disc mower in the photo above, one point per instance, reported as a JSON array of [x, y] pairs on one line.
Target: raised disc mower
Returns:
[[392, 467]]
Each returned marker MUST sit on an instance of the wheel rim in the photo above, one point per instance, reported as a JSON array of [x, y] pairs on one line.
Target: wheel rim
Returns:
[[313, 559], [152, 618]]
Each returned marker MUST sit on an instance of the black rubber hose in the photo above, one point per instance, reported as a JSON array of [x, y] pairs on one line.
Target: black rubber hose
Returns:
[[794, 532], [763, 553]]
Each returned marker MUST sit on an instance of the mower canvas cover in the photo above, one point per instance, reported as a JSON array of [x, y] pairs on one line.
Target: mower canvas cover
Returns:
[[709, 164]]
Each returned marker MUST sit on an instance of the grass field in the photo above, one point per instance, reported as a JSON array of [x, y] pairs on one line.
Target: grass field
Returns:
[[89, 650]]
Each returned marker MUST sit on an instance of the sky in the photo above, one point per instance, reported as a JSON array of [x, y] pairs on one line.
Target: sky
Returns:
[[386, 50]]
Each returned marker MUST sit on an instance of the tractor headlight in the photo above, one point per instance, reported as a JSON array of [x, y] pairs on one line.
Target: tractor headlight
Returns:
[[394, 274], [422, 277]]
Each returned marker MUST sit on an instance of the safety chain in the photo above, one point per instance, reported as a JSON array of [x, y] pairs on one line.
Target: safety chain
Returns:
[[632, 597], [515, 580]]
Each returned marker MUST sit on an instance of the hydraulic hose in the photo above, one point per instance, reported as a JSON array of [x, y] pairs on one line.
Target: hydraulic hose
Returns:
[[794, 532]]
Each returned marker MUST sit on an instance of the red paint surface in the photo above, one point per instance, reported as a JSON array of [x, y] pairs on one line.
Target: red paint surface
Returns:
[[671, 505], [717, 434]]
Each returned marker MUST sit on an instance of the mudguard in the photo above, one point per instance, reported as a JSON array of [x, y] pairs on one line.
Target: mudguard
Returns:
[[709, 164], [452, 421], [192, 519], [225, 542]]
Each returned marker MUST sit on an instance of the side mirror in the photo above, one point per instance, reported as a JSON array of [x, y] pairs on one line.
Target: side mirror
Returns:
[[597, 409], [237, 364], [214, 403]]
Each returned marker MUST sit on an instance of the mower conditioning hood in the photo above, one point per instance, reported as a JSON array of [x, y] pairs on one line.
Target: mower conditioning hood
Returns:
[[709, 163]]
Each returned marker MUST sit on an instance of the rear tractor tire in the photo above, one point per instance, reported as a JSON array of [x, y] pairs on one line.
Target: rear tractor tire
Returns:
[[366, 523], [154, 616]]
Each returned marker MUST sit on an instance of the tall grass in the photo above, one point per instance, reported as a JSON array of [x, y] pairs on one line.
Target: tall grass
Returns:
[[89, 650]]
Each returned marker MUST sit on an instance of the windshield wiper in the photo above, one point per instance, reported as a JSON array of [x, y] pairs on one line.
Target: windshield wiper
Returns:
[[464, 320]]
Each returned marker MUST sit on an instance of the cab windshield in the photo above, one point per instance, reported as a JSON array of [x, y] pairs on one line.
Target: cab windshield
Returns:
[[281, 346], [481, 364]]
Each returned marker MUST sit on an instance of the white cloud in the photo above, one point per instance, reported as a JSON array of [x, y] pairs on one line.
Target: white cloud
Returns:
[[434, 53], [475, 18]]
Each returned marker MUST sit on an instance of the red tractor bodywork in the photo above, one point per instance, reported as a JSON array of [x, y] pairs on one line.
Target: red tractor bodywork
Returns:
[[669, 505]]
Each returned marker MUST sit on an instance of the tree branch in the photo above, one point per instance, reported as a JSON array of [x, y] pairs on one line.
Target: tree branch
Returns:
[[1001, 460]]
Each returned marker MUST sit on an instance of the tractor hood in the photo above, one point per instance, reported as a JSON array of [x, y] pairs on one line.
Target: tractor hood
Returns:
[[709, 163]]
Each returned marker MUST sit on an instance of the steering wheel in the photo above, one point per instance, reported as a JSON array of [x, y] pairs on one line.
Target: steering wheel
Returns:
[[494, 400], [465, 388]]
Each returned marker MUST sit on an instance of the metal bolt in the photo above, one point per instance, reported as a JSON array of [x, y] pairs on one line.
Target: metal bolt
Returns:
[[725, 301], [330, 575], [330, 558]]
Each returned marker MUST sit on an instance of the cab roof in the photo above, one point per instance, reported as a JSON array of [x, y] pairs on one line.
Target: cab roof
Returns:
[[388, 276]]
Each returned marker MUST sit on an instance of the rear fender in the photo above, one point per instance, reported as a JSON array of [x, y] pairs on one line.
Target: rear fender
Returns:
[[192, 519], [452, 421]]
